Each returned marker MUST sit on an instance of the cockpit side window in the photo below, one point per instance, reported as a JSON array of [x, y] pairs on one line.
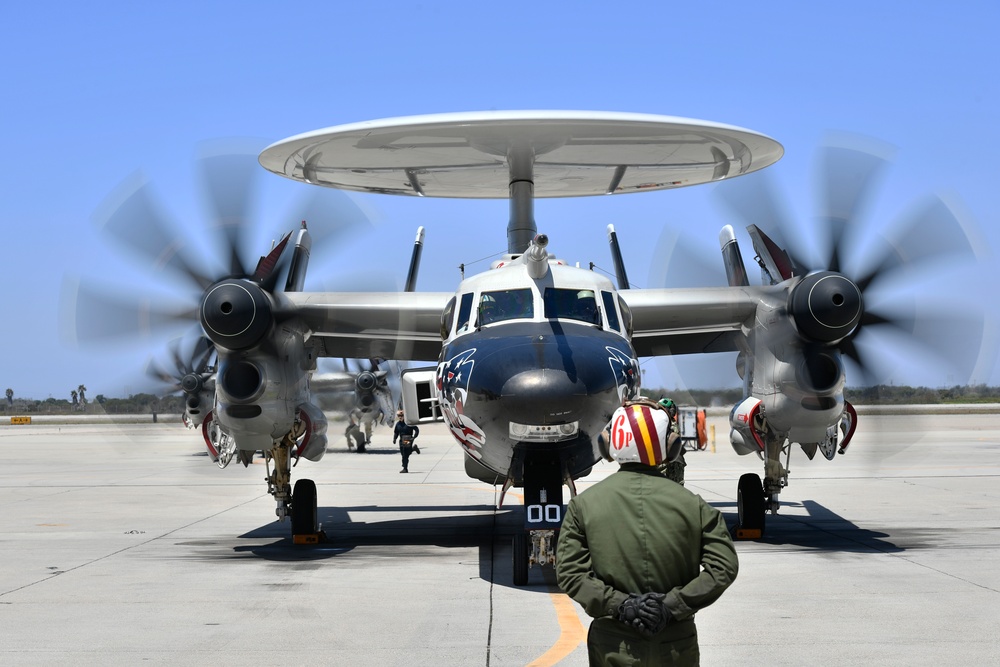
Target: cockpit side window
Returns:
[[447, 317], [609, 308], [572, 304], [464, 312], [505, 305], [626, 316]]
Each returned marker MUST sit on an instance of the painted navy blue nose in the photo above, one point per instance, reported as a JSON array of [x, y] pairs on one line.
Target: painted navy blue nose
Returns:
[[545, 375], [539, 396]]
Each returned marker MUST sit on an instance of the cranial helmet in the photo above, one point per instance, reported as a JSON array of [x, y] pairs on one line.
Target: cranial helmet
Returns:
[[669, 406], [640, 433]]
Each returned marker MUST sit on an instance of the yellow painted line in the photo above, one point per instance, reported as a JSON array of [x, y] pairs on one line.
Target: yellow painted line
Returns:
[[571, 630], [571, 635]]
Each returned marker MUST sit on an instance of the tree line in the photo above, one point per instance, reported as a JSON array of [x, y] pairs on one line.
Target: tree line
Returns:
[[77, 403]]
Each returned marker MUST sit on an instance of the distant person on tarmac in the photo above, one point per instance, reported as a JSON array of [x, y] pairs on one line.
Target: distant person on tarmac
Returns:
[[377, 416], [407, 436], [639, 552], [353, 432]]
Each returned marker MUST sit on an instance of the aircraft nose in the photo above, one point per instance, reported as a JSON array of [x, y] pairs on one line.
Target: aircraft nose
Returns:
[[541, 376], [545, 396], [559, 380]]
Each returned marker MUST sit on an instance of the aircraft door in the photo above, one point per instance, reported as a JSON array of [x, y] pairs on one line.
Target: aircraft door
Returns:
[[420, 399]]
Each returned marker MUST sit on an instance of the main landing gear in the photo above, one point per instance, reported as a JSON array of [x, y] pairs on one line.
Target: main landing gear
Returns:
[[300, 505], [756, 497], [750, 507], [305, 524]]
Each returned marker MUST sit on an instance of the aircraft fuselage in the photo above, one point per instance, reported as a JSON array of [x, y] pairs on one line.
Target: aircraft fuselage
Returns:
[[533, 369]]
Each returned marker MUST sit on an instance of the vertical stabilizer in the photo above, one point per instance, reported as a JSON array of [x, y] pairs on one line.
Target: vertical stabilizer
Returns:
[[736, 272], [773, 260], [418, 248], [616, 257], [300, 260]]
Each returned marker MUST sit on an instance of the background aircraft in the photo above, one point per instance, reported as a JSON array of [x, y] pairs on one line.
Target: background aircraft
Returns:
[[367, 392], [535, 354], [191, 373]]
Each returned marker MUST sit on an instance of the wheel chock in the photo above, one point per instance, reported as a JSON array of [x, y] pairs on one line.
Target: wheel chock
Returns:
[[309, 538], [749, 533]]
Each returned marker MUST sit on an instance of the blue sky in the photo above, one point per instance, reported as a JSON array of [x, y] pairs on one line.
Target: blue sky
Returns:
[[91, 93]]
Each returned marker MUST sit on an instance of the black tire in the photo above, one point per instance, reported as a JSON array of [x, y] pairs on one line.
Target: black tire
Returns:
[[304, 519], [750, 502], [521, 549]]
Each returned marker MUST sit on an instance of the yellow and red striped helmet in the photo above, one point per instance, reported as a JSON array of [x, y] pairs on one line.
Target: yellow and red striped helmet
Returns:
[[640, 433]]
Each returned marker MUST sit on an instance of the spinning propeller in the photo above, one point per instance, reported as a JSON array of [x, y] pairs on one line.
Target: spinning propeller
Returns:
[[191, 369], [875, 293], [134, 220], [192, 374]]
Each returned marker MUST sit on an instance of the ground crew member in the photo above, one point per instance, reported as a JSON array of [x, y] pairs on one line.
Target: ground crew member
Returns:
[[407, 436], [370, 423], [353, 432], [641, 553], [673, 469]]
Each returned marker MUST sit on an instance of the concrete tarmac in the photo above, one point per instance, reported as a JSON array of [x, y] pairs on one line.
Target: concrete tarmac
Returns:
[[124, 544]]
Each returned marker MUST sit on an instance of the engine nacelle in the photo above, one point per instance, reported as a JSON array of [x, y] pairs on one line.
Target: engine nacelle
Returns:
[[799, 380], [365, 385], [258, 394], [744, 419], [196, 408]]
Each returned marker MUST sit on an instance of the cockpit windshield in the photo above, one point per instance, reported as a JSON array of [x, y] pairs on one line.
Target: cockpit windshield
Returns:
[[572, 304], [505, 305]]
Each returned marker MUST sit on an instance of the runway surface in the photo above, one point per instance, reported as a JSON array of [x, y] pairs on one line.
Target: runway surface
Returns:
[[124, 544]]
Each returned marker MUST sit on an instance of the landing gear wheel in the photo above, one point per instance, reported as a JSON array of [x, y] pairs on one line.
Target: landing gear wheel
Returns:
[[751, 506], [521, 548], [304, 519]]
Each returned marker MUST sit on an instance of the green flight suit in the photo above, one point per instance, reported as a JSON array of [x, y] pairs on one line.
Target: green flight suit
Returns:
[[638, 532]]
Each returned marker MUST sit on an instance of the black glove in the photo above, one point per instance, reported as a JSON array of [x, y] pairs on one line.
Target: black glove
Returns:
[[645, 613], [628, 611], [653, 614]]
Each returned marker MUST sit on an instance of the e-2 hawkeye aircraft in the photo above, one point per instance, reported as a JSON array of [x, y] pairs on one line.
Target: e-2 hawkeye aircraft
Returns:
[[534, 355]]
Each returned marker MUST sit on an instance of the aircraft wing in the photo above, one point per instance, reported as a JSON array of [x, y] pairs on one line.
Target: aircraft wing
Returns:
[[689, 321], [404, 326]]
